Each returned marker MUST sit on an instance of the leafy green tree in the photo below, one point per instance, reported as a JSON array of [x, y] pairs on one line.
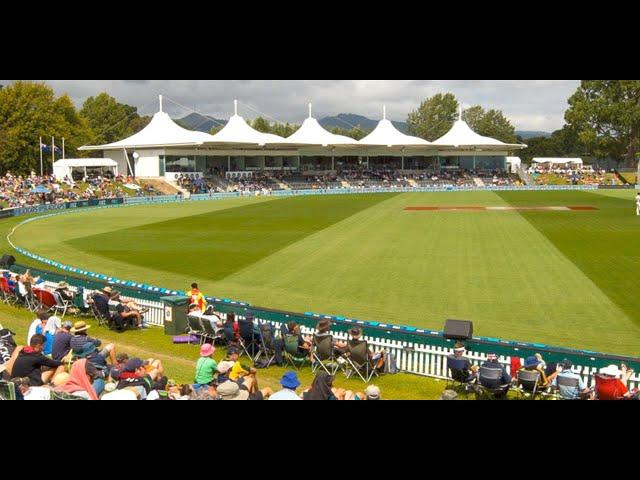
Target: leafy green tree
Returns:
[[606, 115], [29, 110], [216, 129], [357, 132], [284, 129], [111, 121], [495, 125], [434, 117], [261, 125], [561, 143]]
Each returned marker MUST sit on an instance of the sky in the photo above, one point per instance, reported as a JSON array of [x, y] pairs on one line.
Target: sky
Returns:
[[529, 104]]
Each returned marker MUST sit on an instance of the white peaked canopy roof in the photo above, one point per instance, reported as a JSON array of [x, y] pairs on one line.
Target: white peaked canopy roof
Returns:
[[312, 133], [85, 162], [238, 131], [514, 160], [461, 136], [161, 132], [386, 135], [560, 161]]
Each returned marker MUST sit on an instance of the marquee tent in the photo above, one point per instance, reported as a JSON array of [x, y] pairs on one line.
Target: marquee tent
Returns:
[[386, 135], [558, 161], [463, 137], [64, 168], [238, 132], [311, 133]]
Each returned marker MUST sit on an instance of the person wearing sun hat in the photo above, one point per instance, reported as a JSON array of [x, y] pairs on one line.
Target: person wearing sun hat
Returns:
[[63, 290], [613, 384], [289, 382], [206, 367]]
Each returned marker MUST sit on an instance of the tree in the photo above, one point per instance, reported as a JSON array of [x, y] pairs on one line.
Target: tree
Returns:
[[357, 133], [490, 124], [561, 143], [606, 115], [29, 110], [111, 121], [261, 125], [434, 117], [284, 129]]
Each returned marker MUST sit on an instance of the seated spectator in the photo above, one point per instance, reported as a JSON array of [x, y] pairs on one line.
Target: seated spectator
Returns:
[[231, 328], [31, 363], [238, 371], [38, 325], [118, 368], [322, 329], [372, 393], [141, 375], [290, 383], [224, 368], [321, 388], [62, 342], [547, 372], [304, 342], [101, 302], [460, 366], [505, 380], [128, 314], [614, 386], [230, 390], [375, 358], [571, 393], [206, 367], [81, 379], [64, 292], [80, 339]]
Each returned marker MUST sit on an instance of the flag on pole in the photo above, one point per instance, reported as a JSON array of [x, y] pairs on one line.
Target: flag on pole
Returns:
[[45, 148]]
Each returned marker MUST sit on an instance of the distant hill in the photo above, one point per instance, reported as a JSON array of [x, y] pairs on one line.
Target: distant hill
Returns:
[[531, 134], [350, 120], [201, 123]]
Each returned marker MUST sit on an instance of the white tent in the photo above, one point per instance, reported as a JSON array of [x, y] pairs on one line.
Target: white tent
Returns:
[[64, 168], [461, 136], [386, 135], [161, 132], [311, 133], [558, 161], [238, 132]]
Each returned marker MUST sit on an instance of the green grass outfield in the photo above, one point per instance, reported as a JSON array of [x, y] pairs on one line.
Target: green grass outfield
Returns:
[[564, 278]]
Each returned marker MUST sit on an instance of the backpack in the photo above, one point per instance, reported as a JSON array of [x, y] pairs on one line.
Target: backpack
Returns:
[[390, 364]]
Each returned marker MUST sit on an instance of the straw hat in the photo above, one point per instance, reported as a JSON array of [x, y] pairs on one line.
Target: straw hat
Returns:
[[80, 327], [107, 290], [63, 284], [612, 371]]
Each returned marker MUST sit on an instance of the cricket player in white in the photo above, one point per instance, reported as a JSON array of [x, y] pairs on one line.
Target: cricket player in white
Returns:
[[638, 204]]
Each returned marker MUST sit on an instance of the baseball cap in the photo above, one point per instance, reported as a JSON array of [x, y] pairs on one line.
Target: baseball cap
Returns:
[[133, 364], [372, 392]]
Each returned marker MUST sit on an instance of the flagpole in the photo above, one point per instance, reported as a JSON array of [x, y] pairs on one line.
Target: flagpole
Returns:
[[40, 145], [63, 148], [53, 152]]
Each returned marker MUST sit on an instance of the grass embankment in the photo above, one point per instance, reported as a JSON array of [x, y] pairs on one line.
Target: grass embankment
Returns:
[[180, 360]]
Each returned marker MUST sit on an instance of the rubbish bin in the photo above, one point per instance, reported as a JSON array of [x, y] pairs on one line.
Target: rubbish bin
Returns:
[[175, 315]]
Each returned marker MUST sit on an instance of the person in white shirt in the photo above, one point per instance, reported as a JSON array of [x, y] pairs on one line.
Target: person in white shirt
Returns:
[[289, 382], [638, 204]]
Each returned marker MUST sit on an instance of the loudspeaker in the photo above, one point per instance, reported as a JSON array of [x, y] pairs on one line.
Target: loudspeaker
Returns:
[[458, 330], [7, 261]]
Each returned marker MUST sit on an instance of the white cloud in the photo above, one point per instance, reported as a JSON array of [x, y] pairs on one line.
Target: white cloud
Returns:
[[530, 104]]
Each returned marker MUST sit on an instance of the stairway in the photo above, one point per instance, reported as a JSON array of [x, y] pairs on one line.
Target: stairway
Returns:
[[478, 182], [185, 193], [524, 176], [345, 184], [412, 182]]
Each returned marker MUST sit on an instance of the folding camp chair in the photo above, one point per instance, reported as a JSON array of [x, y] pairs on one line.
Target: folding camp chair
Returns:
[[61, 304], [457, 376], [358, 360], [567, 382], [489, 384], [291, 354], [7, 390], [30, 301], [248, 337], [323, 355], [195, 326], [267, 346], [46, 299], [101, 317], [8, 296], [528, 384], [210, 331]]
